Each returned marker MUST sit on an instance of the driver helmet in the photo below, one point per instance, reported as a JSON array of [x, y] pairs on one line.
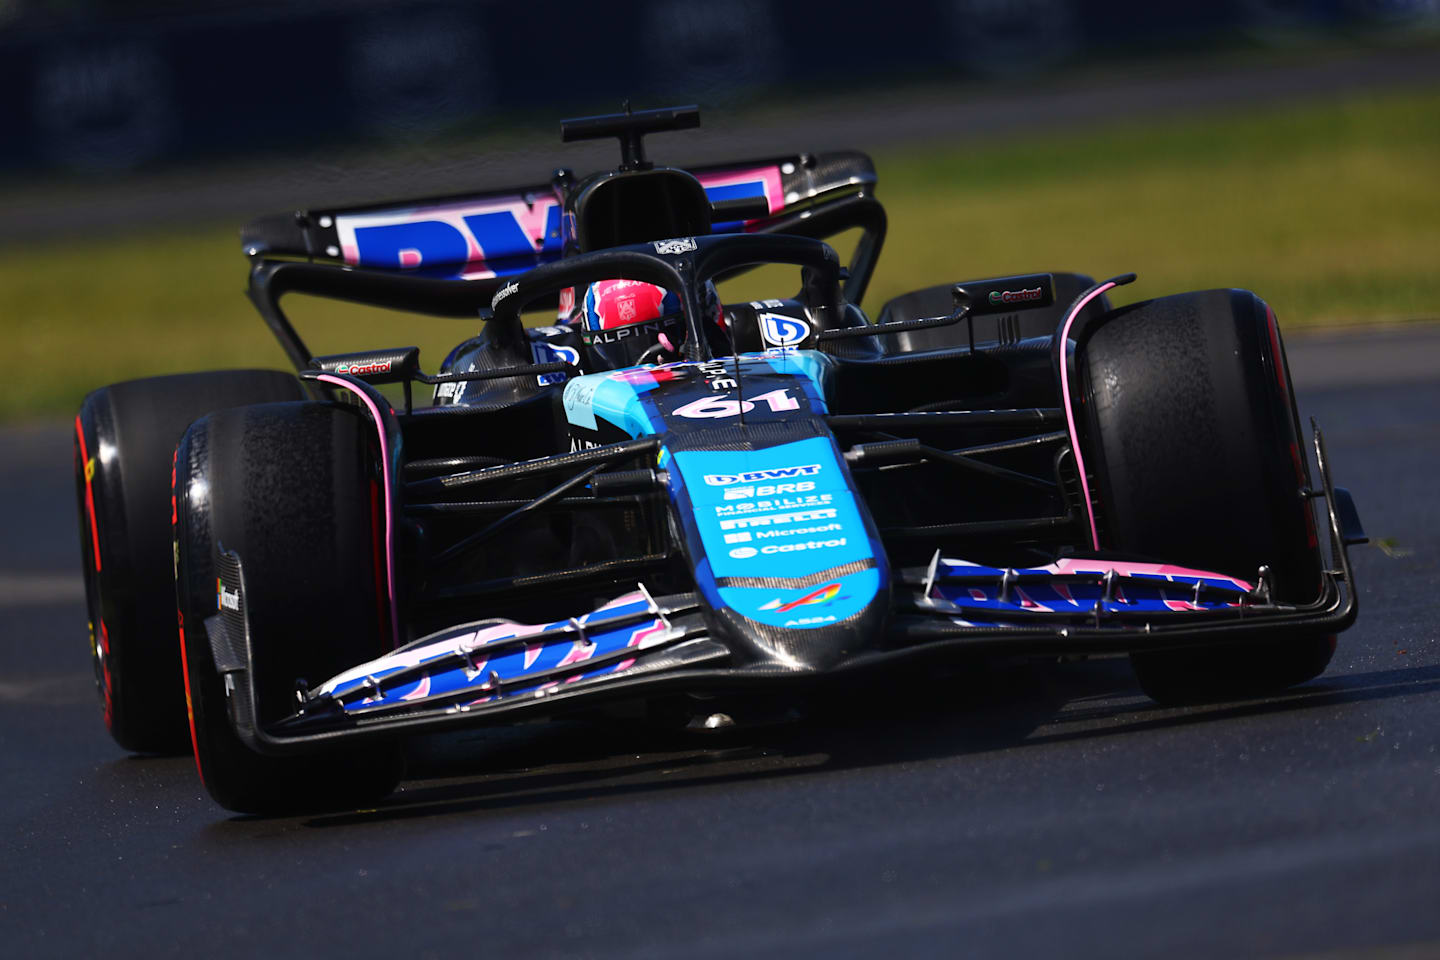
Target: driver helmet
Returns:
[[622, 321]]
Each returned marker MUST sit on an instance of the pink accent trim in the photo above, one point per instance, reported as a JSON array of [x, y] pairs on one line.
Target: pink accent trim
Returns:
[[579, 653], [620, 601], [422, 689], [530, 217], [1128, 569], [1125, 568], [1070, 410], [768, 177], [1030, 603], [643, 637], [389, 506]]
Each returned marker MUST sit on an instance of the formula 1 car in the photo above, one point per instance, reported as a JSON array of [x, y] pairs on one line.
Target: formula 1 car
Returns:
[[712, 500]]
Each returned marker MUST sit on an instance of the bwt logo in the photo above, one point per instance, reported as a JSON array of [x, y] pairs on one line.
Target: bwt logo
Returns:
[[782, 331], [781, 473]]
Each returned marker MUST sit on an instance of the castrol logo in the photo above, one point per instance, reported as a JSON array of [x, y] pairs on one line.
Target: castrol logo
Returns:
[[365, 368], [1015, 296]]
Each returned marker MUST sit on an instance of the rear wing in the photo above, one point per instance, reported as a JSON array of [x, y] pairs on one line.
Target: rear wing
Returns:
[[488, 235]]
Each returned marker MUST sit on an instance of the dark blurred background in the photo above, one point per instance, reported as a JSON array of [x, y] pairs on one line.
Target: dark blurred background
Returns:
[[1197, 142], [99, 87]]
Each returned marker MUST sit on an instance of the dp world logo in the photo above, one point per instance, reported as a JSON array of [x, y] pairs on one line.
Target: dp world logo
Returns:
[[782, 331]]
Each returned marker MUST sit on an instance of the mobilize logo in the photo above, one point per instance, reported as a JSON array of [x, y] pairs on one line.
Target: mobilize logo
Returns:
[[754, 476], [363, 368], [1015, 296], [503, 292], [745, 553], [226, 599], [807, 502]]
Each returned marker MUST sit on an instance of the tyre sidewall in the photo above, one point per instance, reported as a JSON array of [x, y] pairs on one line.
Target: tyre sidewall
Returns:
[[286, 487], [125, 437]]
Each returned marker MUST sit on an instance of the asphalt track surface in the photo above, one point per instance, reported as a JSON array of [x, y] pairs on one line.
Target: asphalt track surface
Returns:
[[1031, 810]]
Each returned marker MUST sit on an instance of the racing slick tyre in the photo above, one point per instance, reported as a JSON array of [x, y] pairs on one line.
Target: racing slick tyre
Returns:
[[1195, 453], [125, 436], [291, 490]]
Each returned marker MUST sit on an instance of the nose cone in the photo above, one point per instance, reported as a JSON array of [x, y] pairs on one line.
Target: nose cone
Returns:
[[809, 629], [784, 551]]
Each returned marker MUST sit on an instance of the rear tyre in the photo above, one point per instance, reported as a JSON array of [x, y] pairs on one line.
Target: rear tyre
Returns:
[[290, 489], [1194, 449], [125, 436]]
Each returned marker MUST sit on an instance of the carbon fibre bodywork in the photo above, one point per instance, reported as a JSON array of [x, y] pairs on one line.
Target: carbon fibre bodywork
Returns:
[[804, 494]]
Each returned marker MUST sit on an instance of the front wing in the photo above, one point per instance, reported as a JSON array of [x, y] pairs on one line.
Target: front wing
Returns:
[[640, 645]]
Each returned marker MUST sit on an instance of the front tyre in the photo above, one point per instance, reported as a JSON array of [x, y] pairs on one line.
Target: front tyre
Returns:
[[1194, 447], [290, 489], [125, 436]]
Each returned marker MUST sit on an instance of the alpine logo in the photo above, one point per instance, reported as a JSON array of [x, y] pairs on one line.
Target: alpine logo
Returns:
[[822, 596], [782, 331], [781, 473], [1016, 296]]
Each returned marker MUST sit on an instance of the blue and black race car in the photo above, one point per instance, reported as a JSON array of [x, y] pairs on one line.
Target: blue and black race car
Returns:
[[663, 497]]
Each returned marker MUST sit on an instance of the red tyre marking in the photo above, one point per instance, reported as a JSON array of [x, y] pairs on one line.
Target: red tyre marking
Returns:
[[105, 669], [180, 625], [1273, 329], [89, 474], [189, 705]]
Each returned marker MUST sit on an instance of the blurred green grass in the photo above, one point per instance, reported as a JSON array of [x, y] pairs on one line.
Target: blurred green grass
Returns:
[[1329, 211]]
